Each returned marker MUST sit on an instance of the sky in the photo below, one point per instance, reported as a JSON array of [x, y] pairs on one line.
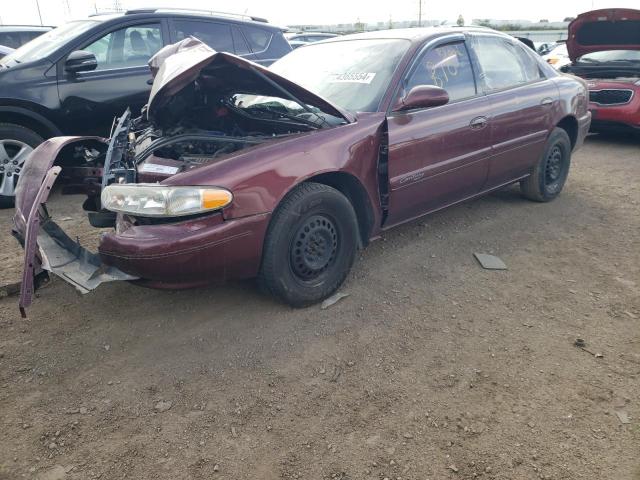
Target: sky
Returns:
[[290, 12]]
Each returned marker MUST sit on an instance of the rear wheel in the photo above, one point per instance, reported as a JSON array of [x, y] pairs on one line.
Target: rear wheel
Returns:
[[550, 173], [16, 143], [310, 245]]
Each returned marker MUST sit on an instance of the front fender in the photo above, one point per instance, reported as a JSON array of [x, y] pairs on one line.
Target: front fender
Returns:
[[260, 177]]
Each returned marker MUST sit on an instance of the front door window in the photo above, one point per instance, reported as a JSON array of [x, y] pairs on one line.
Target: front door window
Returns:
[[128, 47]]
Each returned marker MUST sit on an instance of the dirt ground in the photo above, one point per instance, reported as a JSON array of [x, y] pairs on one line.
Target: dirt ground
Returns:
[[431, 368]]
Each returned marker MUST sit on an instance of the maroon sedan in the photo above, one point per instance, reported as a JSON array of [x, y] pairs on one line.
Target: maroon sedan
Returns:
[[237, 171]]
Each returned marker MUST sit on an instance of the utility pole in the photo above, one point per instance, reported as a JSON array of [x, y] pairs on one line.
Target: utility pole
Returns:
[[39, 14], [419, 13]]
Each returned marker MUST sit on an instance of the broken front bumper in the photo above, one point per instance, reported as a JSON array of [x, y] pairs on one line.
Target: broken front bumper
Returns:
[[179, 254], [46, 245]]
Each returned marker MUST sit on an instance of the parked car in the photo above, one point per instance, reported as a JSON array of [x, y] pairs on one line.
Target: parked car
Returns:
[[237, 171], [75, 79], [544, 47], [558, 57], [308, 37], [5, 51], [301, 39], [14, 36], [604, 47]]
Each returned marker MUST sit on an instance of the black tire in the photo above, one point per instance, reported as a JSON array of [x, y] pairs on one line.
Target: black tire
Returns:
[[550, 173], [16, 134], [310, 245]]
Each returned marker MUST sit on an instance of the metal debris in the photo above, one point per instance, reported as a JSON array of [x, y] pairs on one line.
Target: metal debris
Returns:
[[623, 417], [490, 262], [333, 299], [582, 345]]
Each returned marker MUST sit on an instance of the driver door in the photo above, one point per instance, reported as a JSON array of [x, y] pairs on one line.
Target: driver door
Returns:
[[91, 100], [439, 155]]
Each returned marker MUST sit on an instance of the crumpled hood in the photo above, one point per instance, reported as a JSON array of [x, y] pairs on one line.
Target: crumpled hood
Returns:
[[176, 66], [606, 29]]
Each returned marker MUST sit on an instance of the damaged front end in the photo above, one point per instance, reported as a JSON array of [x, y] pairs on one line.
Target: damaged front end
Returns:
[[204, 108], [47, 247]]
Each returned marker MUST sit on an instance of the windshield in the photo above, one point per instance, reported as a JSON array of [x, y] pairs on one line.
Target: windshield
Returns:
[[47, 43], [611, 56], [352, 74]]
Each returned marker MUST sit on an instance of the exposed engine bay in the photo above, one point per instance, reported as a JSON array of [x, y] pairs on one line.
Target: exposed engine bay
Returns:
[[196, 128]]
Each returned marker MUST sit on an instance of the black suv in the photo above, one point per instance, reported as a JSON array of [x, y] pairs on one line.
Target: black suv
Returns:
[[75, 79]]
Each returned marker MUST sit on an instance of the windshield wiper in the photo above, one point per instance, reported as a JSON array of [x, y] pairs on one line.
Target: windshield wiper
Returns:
[[282, 114]]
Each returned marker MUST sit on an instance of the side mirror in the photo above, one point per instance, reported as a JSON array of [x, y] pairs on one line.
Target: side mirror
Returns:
[[423, 96], [80, 61]]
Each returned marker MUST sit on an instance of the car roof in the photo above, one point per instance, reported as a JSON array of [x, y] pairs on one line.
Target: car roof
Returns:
[[414, 34], [142, 13]]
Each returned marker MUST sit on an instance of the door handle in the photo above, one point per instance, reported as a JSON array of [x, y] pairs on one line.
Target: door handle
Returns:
[[546, 101], [478, 122]]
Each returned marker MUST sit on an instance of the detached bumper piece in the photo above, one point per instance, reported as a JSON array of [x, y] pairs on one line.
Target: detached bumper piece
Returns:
[[48, 247]]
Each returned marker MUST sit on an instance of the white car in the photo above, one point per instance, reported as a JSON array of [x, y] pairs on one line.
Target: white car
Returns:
[[558, 57]]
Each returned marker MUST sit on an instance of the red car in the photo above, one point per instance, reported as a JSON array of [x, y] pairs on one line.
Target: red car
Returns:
[[604, 47], [238, 171]]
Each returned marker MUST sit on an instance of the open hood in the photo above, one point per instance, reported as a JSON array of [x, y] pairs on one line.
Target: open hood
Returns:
[[176, 66], [606, 29]]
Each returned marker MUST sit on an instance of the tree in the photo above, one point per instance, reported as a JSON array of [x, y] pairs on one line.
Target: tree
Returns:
[[544, 20], [390, 23], [569, 19], [460, 21]]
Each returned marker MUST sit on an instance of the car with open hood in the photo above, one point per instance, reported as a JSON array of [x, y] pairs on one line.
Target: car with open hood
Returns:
[[604, 48], [235, 170]]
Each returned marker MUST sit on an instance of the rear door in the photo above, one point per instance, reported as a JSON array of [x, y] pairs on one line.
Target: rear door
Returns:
[[522, 103], [439, 155], [91, 100]]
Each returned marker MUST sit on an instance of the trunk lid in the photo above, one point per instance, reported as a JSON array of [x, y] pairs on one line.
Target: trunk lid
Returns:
[[606, 29]]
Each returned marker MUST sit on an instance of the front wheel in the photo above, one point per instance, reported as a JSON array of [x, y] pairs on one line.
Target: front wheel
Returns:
[[16, 143], [310, 245], [550, 173]]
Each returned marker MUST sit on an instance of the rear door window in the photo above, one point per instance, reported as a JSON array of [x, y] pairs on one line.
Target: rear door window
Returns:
[[445, 66], [216, 35], [239, 43], [503, 64]]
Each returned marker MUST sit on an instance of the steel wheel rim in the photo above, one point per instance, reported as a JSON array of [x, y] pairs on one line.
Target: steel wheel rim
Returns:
[[554, 165], [314, 247], [13, 154]]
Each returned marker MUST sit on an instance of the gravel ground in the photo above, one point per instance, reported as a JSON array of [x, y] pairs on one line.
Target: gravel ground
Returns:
[[431, 368]]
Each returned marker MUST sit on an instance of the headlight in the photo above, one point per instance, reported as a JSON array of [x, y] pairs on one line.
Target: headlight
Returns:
[[148, 200]]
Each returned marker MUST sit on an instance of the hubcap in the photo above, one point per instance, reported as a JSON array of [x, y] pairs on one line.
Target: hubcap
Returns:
[[13, 153], [553, 168], [314, 247]]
